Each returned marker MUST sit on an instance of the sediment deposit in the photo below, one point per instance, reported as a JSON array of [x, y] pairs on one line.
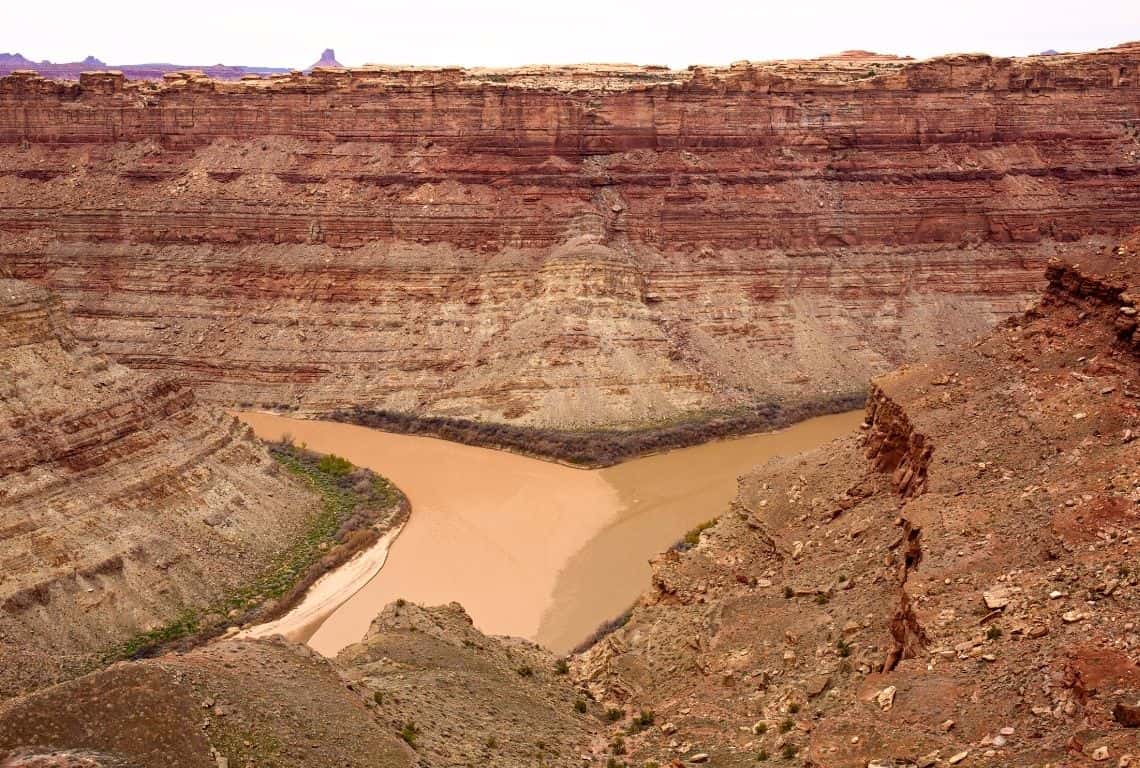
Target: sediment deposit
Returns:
[[561, 247]]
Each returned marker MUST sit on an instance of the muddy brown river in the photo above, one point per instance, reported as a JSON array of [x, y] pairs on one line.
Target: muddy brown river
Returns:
[[530, 548]]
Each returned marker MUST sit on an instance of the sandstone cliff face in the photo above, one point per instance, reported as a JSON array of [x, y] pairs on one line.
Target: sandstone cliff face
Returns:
[[958, 579], [122, 499], [560, 246]]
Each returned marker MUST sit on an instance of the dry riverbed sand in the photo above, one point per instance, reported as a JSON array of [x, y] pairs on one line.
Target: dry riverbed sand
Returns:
[[530, 548]]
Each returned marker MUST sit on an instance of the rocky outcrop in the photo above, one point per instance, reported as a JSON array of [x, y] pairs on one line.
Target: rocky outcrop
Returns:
[[494, 701], [236, 702], [423, 688], [561, 247], [327, 59], [123, 501], [953, 586]]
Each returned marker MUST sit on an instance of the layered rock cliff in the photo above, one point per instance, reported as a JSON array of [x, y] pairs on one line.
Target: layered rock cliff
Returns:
[[561, 246], [124, 502], [954, 586]]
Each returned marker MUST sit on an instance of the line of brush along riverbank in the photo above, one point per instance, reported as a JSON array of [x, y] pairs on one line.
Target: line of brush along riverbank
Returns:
[[598, 448], [359, 508]]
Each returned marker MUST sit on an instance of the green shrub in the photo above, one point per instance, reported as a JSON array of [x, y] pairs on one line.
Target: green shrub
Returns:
[[334, 465], [613, 714], [526, 670], [786, 725], [580, 706], [762, 755], [788, 752], [409, 732], [693, 537], [561, 667]]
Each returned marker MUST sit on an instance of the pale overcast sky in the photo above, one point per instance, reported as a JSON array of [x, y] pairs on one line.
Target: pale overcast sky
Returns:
[[292, 33]]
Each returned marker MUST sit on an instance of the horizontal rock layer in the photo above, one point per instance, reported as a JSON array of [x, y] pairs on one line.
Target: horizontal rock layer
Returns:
[[122, 499], [561, 246]]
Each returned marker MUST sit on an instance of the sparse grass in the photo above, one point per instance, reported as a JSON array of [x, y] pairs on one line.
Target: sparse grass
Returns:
[[378, 697], [613, 714], [526, 670], [762, 755], [409, 732], [693, 537], [786, 725], [343, 490], [492, 742], [580, 706], [788, 752], [617, 746], [821, 599], [794, 708], [993, 633], [760, 729], [843, 648], [561, 667], [789, 593], [605, 628], [185, 624], [641, 721]]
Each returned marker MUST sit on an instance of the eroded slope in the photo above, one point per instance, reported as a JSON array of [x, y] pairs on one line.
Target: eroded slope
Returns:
[[123, 500], [956, 585]]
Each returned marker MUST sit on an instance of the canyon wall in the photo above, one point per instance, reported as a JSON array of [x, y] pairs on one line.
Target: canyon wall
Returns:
[[955, 585], [123, 500], [561, 247]]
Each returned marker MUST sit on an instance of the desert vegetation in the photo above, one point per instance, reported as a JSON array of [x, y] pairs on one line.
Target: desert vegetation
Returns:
[[599, 447], [355, 503]]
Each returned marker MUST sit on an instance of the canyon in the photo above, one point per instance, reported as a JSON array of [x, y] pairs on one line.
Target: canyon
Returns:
[[530, 548], [584, 264], [562, 247], [949, 585]]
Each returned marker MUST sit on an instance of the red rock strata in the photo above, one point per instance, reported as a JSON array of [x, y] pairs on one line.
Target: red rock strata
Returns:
[[123, 501], [957, 585], [561, 247]]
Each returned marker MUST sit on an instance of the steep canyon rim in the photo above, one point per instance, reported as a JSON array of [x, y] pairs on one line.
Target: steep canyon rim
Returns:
[[530, 548], [561, 247]]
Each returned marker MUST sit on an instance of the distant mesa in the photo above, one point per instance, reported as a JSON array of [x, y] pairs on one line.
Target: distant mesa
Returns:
[[10, 62], [859, 55], [1049, 52], [328, 59]]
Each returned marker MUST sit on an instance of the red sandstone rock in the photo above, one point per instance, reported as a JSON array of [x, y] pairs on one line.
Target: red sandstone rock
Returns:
[[561, 246]]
